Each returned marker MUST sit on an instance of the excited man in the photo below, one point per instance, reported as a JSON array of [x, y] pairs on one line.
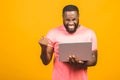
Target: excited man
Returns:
[[70, 32]]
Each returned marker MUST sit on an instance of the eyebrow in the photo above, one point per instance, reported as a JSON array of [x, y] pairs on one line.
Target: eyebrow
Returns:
[[74, 19], [69, 19]]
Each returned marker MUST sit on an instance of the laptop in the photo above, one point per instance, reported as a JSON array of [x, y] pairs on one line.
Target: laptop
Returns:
[[82, 51]]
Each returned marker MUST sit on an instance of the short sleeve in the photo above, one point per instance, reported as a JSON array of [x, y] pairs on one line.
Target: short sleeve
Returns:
[[50, 37], [94, 40]]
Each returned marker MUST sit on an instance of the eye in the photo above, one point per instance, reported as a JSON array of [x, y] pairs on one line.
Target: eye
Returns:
[[67, 19], [73, 19]]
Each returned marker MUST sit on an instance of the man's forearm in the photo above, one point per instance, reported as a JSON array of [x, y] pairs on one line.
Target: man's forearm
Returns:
[[44, 56]]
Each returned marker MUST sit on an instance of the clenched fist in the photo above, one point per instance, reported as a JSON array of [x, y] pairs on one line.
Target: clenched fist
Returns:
[[43, 41]]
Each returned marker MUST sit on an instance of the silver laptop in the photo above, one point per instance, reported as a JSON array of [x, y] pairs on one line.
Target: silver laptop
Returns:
[[82, 51]]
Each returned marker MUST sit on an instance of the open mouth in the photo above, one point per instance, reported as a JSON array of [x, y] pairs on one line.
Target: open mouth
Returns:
[[71, 27]]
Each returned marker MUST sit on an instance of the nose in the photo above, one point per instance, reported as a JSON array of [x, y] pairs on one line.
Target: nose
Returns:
[[71, 23]]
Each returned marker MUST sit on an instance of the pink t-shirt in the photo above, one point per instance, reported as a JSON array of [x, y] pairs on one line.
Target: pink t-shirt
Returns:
[[65, 71]]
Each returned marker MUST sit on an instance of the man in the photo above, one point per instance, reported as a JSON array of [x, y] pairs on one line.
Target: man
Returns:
[[70, 32]]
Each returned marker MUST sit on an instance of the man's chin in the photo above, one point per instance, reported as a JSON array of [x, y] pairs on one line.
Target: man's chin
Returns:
[[71, 30]]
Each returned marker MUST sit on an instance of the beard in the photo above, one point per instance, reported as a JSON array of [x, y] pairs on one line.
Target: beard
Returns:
[[71, 28]]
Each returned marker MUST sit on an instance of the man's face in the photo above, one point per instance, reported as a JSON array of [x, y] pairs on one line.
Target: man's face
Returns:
[[71, 21]]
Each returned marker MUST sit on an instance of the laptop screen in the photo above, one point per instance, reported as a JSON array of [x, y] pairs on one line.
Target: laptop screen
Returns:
[[82, 51]]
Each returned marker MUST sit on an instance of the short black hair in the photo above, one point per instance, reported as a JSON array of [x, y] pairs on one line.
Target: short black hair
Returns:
[[70, 8]]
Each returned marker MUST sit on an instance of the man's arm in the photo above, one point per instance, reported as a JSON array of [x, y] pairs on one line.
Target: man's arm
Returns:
[[46, 51], [93, 60]]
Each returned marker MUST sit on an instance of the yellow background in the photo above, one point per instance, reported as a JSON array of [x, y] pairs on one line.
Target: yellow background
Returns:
[[23, 22]]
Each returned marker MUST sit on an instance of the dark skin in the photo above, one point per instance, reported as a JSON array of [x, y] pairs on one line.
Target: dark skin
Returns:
[[70, 20], [46, 51]]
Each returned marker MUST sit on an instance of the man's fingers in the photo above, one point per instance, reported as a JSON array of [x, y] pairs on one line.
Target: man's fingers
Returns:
[[43, 41], [72, 59], [81, 62]]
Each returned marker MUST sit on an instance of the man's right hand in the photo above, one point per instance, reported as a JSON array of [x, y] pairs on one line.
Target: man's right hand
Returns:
[[43, 41]]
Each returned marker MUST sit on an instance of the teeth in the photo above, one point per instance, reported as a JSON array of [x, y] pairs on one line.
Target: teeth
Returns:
[[71, 27]]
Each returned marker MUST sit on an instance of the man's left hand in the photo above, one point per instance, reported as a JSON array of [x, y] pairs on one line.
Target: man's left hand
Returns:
[[73, 60]]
